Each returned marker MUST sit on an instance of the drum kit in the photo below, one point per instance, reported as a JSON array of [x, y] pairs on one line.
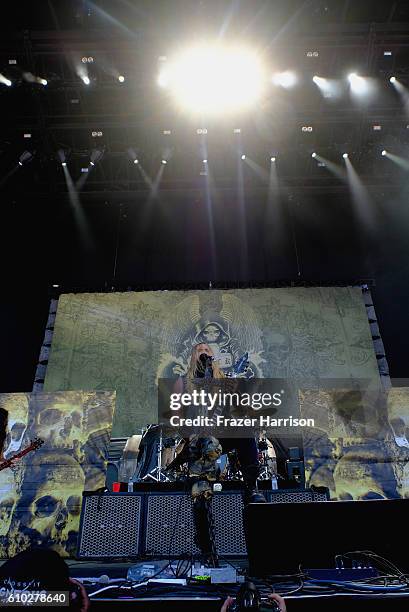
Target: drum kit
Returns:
[[151, 456]]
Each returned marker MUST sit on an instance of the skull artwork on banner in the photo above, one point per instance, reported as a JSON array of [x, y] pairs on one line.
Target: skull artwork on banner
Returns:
[[41, 494]]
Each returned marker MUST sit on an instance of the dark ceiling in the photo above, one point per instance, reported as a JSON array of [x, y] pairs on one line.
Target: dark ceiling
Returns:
[[225, 226], [53, 39]]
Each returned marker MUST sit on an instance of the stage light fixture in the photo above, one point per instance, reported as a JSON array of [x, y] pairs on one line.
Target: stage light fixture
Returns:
[[62, 155], [359, 85], [5, 80], [272, 159], [243, 156], [96, 156], [136, 161], [26, 156], [313, 154], [43, 82], [86, 80], [329, 88], [392, 79], [285, 79], [383, 153], [164, 161], [214, 78], [205, 161], [121, 78], [345, 155]]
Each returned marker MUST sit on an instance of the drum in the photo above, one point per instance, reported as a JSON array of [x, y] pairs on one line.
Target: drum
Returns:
[[129, 460]]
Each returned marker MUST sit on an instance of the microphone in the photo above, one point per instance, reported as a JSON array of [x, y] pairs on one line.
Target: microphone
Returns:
[[206, 359], [205, 369]]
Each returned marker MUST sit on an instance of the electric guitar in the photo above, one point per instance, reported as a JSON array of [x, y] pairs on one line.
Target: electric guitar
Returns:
[[34, 445], [240, 367]]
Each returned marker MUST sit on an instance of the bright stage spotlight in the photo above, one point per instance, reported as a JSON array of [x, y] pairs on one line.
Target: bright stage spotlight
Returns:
[[5, 81], [205, 161], [214, 78], [43, 82], [164, 162], [345, 155], [313, 154], [91, 163], [86, 80], [384, 153], [329, 88], [392, 79], [121, 78], [359, 85], [243, 156], [272, 159], [136, 161], [20, 163], [64, 163], [285, 79]]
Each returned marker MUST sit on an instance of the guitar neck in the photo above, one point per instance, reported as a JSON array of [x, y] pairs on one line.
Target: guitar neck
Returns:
[[23, 452], [18, 455]]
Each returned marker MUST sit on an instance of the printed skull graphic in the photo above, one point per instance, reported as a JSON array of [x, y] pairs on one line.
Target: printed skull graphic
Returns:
[[59, 427], [50, 504], [8, 500]]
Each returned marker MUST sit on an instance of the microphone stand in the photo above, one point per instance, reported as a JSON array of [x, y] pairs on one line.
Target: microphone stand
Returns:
[[157, 474]]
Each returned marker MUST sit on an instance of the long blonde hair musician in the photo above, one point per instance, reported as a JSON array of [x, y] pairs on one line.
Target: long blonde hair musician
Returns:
[[196, 364]]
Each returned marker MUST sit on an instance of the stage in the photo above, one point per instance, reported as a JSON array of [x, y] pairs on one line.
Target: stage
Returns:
[[202, 598]]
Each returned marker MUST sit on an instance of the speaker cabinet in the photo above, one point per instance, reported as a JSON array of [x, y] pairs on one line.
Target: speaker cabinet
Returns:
[[298, 496], [155, 525], [170, 529], [111, 525]]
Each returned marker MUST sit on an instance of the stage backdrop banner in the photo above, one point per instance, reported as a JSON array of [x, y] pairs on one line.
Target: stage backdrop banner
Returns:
[[361, 451], [126, 341], [40, 496]]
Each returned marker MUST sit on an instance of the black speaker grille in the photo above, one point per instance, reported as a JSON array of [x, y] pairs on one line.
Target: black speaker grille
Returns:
[[169, 526], [292, 496], [110, 526], [228, 521]]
